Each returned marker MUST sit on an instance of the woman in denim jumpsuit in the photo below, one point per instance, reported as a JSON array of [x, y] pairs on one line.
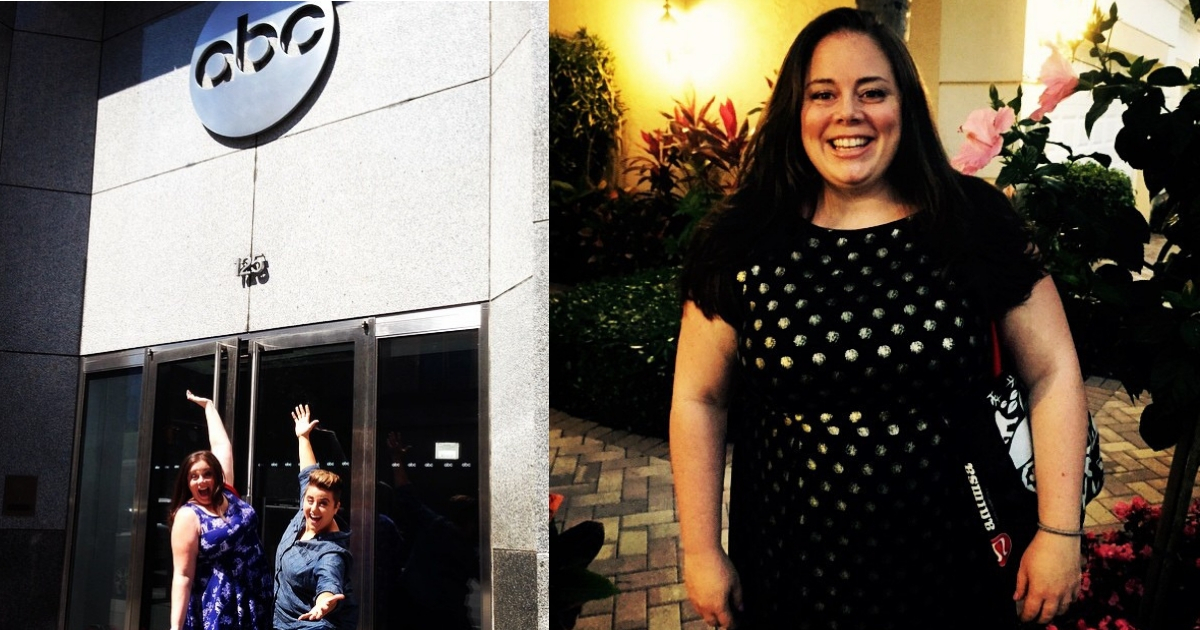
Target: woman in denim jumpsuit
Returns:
[[312, 563]]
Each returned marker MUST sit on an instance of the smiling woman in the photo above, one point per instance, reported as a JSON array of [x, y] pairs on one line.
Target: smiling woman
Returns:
[[312, 562], [844, 291], [220, 578], [850, 126]]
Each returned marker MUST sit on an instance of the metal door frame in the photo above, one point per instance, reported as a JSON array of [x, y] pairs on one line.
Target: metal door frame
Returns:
[[88, 365], [461, 318], [155, 356]]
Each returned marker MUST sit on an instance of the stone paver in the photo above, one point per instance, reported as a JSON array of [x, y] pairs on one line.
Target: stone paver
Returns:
[[624, 481]]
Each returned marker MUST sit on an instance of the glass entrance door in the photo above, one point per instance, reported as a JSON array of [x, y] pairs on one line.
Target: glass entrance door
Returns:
[[427, 501], [285, 373], [401, 421], [255, 383], [176, 428]]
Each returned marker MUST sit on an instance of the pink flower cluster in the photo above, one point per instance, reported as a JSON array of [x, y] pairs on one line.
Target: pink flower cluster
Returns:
[[1060, 81], [984, 129], [1115, 565]]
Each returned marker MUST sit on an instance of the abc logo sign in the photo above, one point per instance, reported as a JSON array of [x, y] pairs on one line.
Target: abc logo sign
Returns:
[[256, 61]]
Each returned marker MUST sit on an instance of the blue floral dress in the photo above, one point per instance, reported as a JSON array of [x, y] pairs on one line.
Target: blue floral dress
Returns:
[[232, 584]]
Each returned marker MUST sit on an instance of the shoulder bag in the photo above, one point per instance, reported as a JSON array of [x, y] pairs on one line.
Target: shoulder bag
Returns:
[[1000, 472]]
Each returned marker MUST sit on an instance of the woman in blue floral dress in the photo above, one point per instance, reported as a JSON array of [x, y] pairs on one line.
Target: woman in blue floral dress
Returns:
[[220, 579]]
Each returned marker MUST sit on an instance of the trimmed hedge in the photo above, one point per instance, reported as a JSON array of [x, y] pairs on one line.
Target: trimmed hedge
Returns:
[[612, 350]]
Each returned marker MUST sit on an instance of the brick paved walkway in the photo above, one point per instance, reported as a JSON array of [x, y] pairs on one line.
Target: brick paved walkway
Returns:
[[624, 481]]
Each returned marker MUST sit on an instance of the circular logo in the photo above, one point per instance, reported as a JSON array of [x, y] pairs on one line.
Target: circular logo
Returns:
[[256, 61]]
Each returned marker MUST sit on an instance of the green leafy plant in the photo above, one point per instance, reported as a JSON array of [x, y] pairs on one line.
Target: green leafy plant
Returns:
[[603, 232], [585, 110], [572, 584], [614, 350], [1164, 144], [596, 228], [1154, 322]]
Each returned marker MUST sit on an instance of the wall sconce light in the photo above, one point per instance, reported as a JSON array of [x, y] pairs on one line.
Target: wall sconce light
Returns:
[[669, 31], [667, 18]]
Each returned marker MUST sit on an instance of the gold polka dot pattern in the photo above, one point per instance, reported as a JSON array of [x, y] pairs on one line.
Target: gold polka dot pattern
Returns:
[[842, 508]]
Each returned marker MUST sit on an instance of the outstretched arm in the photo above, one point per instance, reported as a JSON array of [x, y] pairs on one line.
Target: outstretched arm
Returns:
[[326, 603], [330, 573], [304, 426], [218, 439]]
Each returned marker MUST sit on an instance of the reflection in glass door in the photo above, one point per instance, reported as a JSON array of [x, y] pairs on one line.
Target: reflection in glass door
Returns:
[[104, 517], [427, 542], [321, 377]]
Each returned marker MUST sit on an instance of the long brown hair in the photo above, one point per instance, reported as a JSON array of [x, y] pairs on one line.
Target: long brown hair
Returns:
[[779, 185], [182, 492]]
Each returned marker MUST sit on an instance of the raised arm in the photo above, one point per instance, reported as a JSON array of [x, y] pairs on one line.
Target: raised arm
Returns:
[[218, 439], [304, 426], [185, 546], [1037, 334], [703, 368]]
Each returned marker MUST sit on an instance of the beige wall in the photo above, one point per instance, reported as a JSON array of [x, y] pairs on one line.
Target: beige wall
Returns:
[[982, 43], [924, 42], [725, 48]]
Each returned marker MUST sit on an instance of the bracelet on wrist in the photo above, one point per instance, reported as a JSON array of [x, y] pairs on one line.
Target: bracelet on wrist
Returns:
[[1061, 532]]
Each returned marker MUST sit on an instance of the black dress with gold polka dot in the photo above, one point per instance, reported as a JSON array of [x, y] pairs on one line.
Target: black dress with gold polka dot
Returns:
[[846, 509]]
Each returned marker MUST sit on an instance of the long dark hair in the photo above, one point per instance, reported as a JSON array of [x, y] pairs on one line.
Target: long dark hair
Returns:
[[778, 186], [182, 492]]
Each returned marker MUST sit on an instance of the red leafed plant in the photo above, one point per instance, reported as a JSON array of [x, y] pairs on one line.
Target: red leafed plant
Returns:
[[683, 169], [691, 163]]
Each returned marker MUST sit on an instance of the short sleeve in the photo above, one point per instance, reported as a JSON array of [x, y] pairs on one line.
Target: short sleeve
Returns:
[[1000, 259], [330, 573]]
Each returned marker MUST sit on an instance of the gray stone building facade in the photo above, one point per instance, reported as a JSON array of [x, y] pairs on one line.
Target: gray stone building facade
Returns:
[[379, 253]]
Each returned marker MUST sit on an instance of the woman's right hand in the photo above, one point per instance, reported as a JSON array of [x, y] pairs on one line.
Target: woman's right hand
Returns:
[[713, 587]]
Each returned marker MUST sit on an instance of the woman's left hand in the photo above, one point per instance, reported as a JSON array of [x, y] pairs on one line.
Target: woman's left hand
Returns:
[[326, 602], [1048, 580], [303, 421]]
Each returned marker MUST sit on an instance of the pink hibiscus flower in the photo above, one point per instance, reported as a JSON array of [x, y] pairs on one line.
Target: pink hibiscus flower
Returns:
[[1060, 81], [983, 128]]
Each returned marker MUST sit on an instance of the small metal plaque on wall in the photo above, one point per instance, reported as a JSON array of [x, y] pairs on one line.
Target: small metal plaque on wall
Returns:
[[20, 495], [254, 270], [255, 62]]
